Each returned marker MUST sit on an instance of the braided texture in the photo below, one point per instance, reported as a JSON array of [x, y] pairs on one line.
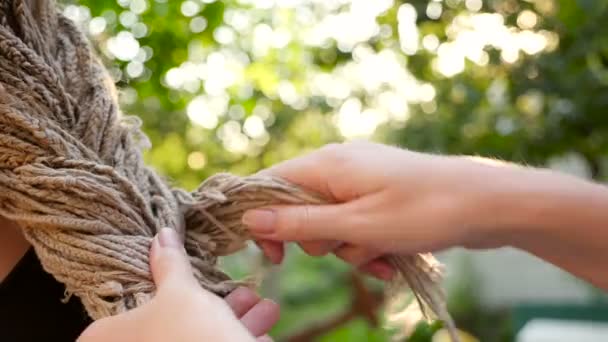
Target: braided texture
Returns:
[[72, 176], [71, 170], [224, 198]]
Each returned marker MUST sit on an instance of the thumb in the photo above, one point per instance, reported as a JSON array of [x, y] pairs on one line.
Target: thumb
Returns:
[[169, 261], [303, 222]]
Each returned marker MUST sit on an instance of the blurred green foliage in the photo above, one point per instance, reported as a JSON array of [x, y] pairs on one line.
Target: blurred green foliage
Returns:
[[239, 85]]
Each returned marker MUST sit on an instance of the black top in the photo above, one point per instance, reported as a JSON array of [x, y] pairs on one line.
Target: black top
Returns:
[[31, 307]]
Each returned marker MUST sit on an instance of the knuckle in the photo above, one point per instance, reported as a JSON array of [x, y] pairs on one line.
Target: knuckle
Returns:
[[346, 258], [302, 222], [317, 252], [315, 249], [355, 255]]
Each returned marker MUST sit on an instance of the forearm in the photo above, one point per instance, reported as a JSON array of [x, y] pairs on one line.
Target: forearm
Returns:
[[557, 217]]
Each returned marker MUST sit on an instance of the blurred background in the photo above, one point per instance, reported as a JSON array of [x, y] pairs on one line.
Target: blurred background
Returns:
[[241, 84]]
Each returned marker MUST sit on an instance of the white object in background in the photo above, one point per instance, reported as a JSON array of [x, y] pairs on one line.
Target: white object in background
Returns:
[[502, 278], [556, 330]]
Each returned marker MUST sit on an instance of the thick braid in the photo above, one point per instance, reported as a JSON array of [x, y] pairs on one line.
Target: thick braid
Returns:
[[73, 177], [71, 171]]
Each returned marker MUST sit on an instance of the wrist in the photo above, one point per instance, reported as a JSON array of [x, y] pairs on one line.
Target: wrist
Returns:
[[501, 202], [524, 207]]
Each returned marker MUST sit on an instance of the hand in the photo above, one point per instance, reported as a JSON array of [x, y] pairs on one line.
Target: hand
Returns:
[[389, 201], [182, 311], [397, 201]]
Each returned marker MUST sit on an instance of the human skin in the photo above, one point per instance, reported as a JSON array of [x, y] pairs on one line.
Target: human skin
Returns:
[[394, 201], [12, 246], [180, 308]]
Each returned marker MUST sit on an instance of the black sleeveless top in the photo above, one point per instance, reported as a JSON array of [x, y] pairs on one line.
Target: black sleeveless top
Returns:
[[31, 307]]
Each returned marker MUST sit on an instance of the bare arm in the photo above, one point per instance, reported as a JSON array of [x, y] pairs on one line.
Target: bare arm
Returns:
[[557, 217], [396, 201]]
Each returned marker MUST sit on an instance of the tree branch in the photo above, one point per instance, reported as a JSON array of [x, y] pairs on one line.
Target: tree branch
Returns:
[[365, 303]]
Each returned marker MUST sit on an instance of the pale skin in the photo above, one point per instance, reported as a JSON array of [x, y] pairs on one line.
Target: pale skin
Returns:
[[180, 311], [389, 201], [394, 201]]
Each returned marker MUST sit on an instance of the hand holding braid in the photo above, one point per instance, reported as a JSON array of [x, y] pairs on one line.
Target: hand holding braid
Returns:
[[73, 178], [71, 171], [224, 198]]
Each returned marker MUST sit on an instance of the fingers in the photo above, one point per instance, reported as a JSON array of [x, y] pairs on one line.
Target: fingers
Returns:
[[265, 338], [366, 260], [168, 260], [380, 269], [242, 300], [319, 248], [377, 267], [355, 255], [260, 319], [257, 315], [273, 250], [305, 222]]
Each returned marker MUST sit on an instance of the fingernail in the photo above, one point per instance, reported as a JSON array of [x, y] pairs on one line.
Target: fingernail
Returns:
[[260, 221], [167, 237]]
